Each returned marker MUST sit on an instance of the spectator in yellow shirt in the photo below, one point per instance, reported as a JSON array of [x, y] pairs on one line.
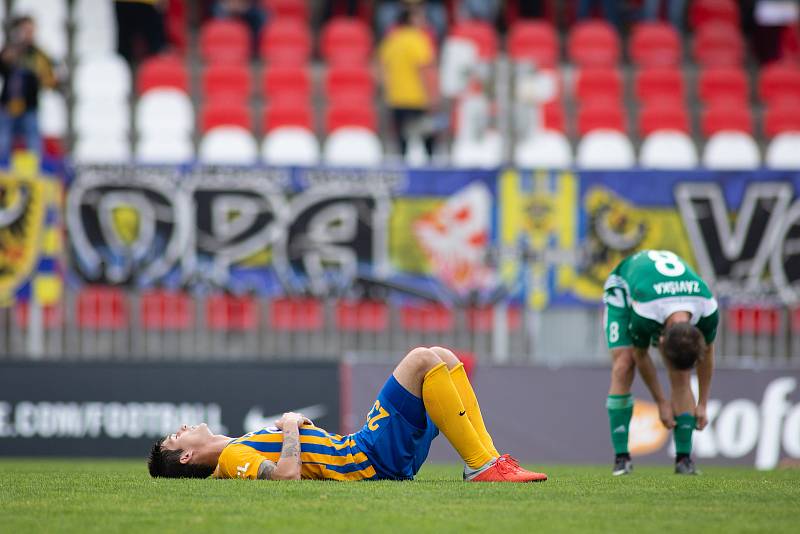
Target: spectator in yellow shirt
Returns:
[[408, 65]]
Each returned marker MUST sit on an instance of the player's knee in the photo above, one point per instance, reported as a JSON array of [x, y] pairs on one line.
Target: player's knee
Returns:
[[447, 356], [624, 365], [680, 380], [423, 359]]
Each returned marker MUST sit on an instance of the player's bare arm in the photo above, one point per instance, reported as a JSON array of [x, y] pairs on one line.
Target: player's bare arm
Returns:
[[289, 464], [647, 370], [705, 369]]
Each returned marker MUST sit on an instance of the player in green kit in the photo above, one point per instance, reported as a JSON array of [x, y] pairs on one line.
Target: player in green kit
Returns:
[[654, 298]]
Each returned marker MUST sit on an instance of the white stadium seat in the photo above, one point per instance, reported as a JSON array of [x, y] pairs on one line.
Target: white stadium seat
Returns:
[[228, 145], [101, 116], [93, 40], [668, 149], [459, 60], [93, 13], [164, 149], [783, 151], [103, 76], [290, 145], [547, 149], [47, 13], [605, 149], [52, 114], [352, 146], [165, 110], [485, 151], [101, 149], [731, 150]]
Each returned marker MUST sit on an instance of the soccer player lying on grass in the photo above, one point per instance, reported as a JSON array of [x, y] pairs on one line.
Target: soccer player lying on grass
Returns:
[[428, 391], [654, 298]]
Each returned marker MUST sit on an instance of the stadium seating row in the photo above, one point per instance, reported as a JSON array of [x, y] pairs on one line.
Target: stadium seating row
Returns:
[[108, 308]]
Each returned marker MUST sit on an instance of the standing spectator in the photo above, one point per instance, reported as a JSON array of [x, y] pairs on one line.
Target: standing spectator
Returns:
[[24, 69], [139, 19], [248, 12], [675, 11], [408, 66], [772, 18], [610, 10], [435, 15]]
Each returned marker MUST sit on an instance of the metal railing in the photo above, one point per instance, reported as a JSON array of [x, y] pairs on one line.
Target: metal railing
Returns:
[[128, 326]]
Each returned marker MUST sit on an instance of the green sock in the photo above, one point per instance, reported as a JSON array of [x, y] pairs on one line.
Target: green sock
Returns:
[[684, 426], [620, 411]]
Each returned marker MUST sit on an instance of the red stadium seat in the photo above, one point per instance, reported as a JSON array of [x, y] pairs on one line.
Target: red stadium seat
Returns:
[[702, 12], [362, 315], [100, 307], [286, 42], [283, 9], [601, 114], [724, 116], [281, 113], [225, 112], [598, 82], [723, 83], [166, 310], [287, 81], [296, 314], [655, 44], [782, 117], [162, 71], [354, 82], [342, 114], [659, 83], [52, 316], [594, 43], [227, 81], [175, 17], [553, 116], [481, 33], [426, 318], [224, 41], [346, 40], [779, 81], [482, 319], [232, 313], [535, 41], [754, 320], [663, 115], [718, 45]]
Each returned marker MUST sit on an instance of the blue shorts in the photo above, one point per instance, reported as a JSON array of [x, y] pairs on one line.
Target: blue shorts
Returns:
[[398, 433]]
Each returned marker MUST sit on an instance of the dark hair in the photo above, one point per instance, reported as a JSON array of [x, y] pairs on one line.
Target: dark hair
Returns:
[[16, 22], [167, 463], [404, 17], [683, 345]]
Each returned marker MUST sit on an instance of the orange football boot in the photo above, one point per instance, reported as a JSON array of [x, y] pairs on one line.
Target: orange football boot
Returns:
[[506, 469]]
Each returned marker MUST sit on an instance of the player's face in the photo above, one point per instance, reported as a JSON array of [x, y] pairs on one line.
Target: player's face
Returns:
[[187, 437]]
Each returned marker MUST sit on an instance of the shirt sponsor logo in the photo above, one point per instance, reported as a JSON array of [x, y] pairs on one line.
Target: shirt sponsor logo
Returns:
[[674, 287]]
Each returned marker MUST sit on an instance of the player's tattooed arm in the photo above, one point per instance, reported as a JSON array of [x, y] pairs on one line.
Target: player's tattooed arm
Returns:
[[266, 469], [289, 464]]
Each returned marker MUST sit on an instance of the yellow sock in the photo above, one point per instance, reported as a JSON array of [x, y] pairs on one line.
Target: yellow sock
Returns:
[[470, 401], [445, 409]]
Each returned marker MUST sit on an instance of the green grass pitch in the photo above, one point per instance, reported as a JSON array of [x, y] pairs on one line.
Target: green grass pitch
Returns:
[[119, 496]]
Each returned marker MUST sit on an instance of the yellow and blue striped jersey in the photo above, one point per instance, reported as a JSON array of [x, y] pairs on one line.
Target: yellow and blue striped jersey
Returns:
[[325, 456]]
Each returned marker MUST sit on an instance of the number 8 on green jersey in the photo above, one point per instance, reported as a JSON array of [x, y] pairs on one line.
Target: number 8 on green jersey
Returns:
[[645, 289]]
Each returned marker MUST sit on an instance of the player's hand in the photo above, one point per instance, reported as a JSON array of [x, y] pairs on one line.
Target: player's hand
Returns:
[[701, 416], [290, 417], [665, 414]]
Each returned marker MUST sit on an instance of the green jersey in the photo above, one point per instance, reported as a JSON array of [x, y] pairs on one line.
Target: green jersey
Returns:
[[645, 289]]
